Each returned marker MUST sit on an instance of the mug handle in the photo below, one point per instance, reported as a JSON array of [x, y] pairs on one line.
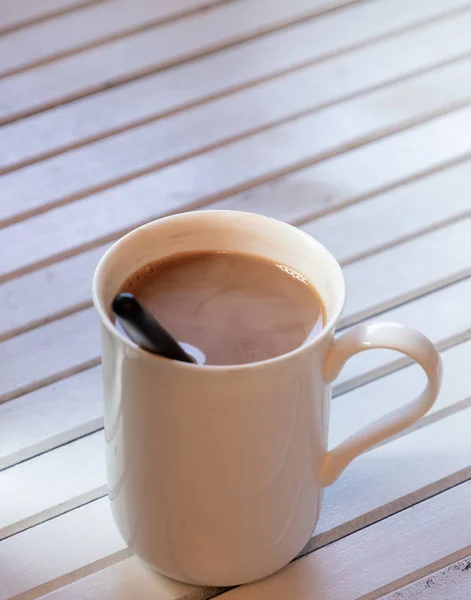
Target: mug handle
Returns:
[[391, 336]]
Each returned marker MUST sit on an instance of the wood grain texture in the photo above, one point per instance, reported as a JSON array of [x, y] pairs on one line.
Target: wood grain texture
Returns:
[[74, 542], [349, 568], [325, 187], [14, 14], [206, 176], [378, 223], [338, 181], [157, 48], [453, 582], [69, 476], [443, 316], [50, 416], [129, 579], [59, 348], [98, 23], [347, 507], [361, 405], [344, 74]]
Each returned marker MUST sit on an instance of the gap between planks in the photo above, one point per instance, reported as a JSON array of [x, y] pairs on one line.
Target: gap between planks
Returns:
[[343, 60], [68, 190], [453, 581], [277, 16], [328, 575], [149, 21], [41, 15]]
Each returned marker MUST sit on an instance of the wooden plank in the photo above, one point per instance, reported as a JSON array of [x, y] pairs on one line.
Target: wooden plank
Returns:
[[86, 119], [449, 307], [108, 162], [337, 182], [150, 50], [50, 416], [347, 508], [70, 476], [75, 473], [14, 14], [46, 354], [195, 181], [440, 315], [428, 202], [349, 568], [398, 474], [439, 257], [129, 579], [78, 30], [453, 581], [65, 287], [62, 288], [366, 403], [67, 547]]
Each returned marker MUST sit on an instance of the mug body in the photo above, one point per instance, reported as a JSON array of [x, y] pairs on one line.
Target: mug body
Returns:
[[214, 471]]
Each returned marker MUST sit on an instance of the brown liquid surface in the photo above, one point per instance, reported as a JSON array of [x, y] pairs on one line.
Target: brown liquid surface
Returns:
[[236, 308]]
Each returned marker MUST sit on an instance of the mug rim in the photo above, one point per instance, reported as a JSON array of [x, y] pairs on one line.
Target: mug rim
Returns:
[[144, 354]]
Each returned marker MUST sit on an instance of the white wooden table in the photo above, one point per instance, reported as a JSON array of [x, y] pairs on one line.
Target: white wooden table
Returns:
[[350, 119]]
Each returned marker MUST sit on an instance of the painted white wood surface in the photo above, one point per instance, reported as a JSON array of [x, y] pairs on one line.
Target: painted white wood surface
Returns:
[[396, 475], [151, 97], [377, 223], [68, 477], [62, 288], [50, 416], [339, 181], [439, 256], [375, 556], [204, 177], [324, 187], [453, 582], [361, 405], [149, 50], [129, 579], [443, 316], [81, 29], [14, 14], [79, 540], [49, 353]]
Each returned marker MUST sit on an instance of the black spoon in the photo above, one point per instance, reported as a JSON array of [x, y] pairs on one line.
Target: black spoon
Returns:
[[144, 330]]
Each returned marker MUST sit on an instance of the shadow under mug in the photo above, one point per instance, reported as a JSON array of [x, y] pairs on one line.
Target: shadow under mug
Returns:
[[215, 473]]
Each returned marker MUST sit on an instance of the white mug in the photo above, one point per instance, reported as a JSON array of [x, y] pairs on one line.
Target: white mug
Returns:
[[215, 473]]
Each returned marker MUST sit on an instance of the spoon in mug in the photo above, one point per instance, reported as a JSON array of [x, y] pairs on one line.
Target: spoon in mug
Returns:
[[144, 330]]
